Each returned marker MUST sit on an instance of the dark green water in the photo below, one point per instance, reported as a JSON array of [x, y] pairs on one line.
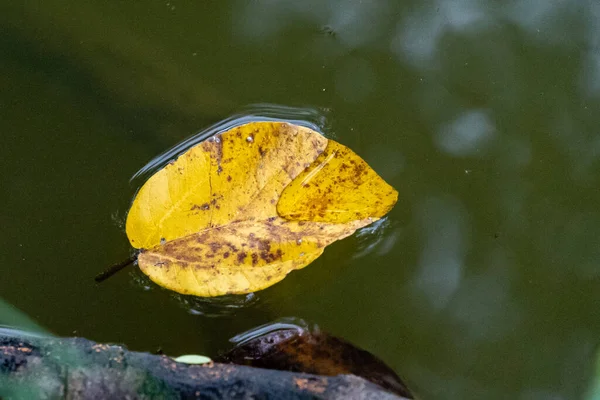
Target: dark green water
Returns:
[[483, 282]]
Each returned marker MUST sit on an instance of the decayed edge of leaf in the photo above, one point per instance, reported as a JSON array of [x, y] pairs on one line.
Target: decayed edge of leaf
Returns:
[[240, 258]]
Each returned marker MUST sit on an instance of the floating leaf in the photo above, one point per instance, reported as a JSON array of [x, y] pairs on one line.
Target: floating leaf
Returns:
[[193, 359], [238, 212]]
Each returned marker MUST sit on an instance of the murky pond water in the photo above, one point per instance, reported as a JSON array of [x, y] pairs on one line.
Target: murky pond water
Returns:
[[483, 282]]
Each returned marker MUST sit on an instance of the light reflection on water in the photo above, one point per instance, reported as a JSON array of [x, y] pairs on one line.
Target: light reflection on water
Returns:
[[446, 240], [295, 325], [468, 135]]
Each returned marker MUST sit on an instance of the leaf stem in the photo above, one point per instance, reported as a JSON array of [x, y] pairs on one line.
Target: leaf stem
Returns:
[[113, 269]]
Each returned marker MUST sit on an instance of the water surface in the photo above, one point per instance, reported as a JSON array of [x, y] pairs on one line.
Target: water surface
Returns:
[[483, 282]]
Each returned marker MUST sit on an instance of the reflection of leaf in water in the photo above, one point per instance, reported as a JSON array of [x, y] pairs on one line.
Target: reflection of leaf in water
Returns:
[[291, 345]]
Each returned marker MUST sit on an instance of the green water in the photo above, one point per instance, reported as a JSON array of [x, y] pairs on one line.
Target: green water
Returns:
[[484, 280]]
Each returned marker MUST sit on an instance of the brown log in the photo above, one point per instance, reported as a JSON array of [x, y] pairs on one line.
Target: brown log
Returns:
[[33, 367]]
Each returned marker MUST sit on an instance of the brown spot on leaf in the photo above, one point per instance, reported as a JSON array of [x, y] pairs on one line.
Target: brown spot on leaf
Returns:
[[264, 245], [231, 247], [182, 256], [202, 238], [204, 207], [241, 257], [219, 153]]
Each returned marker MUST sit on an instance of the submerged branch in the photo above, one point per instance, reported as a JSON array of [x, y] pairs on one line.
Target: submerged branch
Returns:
[[113, 269]]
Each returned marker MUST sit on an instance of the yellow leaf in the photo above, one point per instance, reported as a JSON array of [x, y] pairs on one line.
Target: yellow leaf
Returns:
[[238, 212], [338, 187]]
